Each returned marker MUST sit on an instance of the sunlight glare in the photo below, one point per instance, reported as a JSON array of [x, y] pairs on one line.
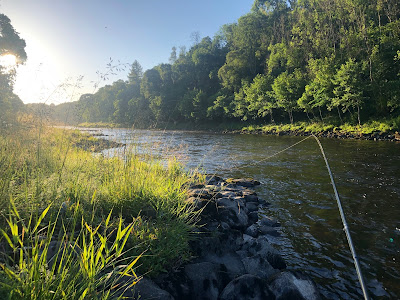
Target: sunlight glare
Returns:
[[8, 60]]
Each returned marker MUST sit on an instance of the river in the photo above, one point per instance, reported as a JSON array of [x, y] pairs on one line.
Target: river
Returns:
[[297, 185]]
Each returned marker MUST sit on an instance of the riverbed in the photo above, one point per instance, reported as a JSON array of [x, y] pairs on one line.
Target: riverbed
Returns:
[[297, 184]]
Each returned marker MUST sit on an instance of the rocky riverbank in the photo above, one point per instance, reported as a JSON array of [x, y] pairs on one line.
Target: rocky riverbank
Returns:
[[375, 136], [233, 257]]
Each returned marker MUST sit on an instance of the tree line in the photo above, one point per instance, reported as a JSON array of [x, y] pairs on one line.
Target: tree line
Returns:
[[284, 61]]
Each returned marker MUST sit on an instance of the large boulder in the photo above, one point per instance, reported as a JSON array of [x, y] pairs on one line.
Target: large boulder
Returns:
[[289, 285], [146, 289], [246, 287]]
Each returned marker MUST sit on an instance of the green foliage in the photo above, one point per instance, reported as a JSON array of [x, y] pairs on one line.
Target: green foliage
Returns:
[[106, 203], [348, 87], [308, 59]]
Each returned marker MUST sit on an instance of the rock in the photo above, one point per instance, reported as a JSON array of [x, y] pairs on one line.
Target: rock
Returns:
[[146, 289], [226, 194], [258, 266], [213, 179], [252, 206], [262, 247], [267, 221], [293, 285], [253, 217], [251, 198], [231, 262], [206, 280], [269, 230], [199, 193], [252, 231], [246, 182], [246, 287], [232, 212]]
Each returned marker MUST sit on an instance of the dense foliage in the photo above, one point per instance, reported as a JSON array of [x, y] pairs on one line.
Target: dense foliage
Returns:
[[10, 43], [283, 61]]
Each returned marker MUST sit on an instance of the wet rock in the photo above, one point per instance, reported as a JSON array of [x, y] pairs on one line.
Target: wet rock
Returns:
[[263, 229], [146, 289], [252, 206], [246, 287], [246, 182], [251, 198], [293, 285], [267, 221]]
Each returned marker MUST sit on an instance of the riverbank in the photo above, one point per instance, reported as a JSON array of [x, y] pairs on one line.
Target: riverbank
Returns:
[[373, 131], [75, 223], [386, 130], [232, 255]]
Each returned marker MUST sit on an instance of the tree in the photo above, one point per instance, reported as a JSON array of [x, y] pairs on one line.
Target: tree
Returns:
[[287, 90], [173, 56], [136, 73], [318, 92], [348, 87], [259, 96], [10, 43]]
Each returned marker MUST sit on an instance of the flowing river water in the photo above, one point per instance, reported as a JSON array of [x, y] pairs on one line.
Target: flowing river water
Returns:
[[297, 185]]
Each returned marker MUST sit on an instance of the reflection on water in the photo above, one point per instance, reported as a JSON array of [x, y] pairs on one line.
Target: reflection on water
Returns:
[[297, 184]]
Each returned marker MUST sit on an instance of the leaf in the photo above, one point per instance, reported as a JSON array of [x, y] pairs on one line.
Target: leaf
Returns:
[[43, 214]]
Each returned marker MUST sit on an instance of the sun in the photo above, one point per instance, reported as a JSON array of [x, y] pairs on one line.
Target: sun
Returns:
[[8, 61]]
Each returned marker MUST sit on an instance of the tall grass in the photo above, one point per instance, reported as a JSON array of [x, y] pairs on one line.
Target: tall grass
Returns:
[[99, 214]]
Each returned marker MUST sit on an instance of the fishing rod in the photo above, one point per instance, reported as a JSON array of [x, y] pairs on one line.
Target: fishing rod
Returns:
[[345, 226], [344, 222]]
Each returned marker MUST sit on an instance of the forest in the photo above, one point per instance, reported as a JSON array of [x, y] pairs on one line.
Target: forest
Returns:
[[329, 61]]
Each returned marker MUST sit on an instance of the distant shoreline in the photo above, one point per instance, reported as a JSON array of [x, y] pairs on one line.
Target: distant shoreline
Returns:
[[364, 132]]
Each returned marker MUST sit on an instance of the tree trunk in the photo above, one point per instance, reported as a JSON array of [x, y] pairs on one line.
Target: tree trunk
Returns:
[[308, 116], [340, 117], [272, 117], [320, 114], [358, 115], [290, 116]]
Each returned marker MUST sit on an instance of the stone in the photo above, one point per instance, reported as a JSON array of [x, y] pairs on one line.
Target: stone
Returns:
[[246, 287], [251, 198], [246, 182], [267, 221], [269, 230], [232, 212], [258, 266], [233, 265], [206, 280], [253, 217], [262, 247], [199, 193], [293, 285], [252, 231], [252, 206], [146, 289]]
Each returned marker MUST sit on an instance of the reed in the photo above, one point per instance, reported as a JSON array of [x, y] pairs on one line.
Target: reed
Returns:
[[104, 220]]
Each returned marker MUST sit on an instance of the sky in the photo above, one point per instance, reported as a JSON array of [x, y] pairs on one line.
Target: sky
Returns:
[[70, 42]]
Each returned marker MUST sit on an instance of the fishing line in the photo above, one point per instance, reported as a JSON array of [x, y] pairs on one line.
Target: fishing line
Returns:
[[342, 215]]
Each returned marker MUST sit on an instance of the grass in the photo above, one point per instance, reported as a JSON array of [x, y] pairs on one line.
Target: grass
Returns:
[[109, 218], [371, 127]]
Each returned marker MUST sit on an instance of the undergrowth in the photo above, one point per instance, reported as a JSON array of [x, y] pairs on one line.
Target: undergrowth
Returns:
[[107, 218]]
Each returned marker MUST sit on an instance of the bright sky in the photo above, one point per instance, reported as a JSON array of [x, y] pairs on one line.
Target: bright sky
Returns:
[[72, 38]]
